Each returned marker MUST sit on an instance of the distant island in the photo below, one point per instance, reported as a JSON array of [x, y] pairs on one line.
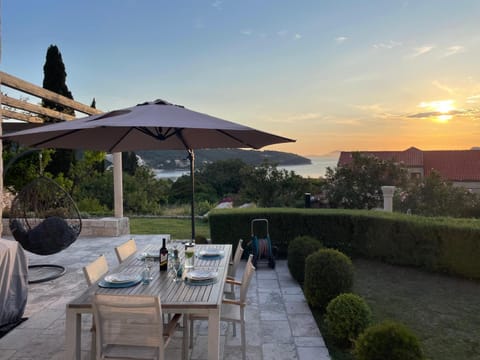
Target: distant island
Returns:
[[177, 159]]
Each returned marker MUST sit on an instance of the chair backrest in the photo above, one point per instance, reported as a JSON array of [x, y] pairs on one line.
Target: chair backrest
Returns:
[[95, 270], [236, 259], [128, 320], [125, 250], [246, 279]]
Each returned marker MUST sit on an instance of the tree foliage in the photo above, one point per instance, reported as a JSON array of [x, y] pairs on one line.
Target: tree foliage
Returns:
[[358, 184], [55, 78], [268, 186], [224, 176], [434, 196]]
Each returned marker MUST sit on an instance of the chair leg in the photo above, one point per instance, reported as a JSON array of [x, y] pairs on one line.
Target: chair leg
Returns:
[[191, 334], [242, 330], [93, 349], [186, 337]]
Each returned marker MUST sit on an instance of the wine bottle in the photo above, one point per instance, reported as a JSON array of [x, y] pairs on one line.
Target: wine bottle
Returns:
[[163, 256]]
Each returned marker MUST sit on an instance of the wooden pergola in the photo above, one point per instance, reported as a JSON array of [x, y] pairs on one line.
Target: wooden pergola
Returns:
[[27, 113]]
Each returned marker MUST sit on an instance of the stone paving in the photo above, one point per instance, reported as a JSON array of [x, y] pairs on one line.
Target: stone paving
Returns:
[[279, 323]]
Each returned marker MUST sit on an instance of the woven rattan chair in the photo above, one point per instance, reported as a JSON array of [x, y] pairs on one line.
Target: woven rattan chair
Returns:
[[44, 220]]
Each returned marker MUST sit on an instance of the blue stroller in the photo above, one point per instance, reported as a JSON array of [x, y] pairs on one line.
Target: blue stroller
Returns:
[[262, 247]]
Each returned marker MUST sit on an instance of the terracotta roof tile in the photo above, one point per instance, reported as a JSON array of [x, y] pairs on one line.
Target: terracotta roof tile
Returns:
[[454, 165]]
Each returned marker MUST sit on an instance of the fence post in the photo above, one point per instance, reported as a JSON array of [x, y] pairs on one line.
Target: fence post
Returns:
[[388, 198]]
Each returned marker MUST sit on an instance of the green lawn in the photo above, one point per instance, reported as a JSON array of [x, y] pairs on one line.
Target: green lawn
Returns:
[[443, 311], [177, 227]]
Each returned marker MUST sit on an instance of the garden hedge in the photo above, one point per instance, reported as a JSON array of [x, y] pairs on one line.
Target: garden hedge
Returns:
[[438, 244]]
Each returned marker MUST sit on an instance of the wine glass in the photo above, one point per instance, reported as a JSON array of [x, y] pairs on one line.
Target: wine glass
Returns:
[[176, 264]]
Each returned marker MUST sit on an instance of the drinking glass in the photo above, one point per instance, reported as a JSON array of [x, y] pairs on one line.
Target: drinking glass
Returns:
[[176, 267], [148, 264], [189, 256]]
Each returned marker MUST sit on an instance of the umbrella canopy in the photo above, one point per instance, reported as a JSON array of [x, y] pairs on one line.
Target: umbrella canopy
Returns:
[[156, 125], [153, 125]]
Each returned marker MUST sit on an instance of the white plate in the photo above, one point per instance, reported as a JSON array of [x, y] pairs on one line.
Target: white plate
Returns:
[[120, 278], [210, 252], [201, 275]]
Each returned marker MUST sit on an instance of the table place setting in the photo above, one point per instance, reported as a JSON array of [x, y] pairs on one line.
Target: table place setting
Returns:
[[210, 254], [120, 280], [201, 277]]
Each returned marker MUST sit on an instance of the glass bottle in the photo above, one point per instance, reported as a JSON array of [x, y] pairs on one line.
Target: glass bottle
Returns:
[[163, 256]]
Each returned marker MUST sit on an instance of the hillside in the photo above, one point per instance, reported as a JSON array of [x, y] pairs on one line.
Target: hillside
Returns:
[[176, 159]]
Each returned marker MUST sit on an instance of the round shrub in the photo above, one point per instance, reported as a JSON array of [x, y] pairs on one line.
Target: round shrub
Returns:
[[388, 340], [328, 273], [298, 250], [347, 316]]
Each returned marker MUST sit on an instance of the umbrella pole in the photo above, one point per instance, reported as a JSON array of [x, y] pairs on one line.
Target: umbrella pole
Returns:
[[191, 157]]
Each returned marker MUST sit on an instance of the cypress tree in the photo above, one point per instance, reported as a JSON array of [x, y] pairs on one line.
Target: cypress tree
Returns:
[[55, 80]]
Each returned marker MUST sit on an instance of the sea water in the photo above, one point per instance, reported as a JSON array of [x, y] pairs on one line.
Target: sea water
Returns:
[[316, 169]]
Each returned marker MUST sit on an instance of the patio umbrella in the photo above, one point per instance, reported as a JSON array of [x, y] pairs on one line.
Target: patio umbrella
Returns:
[[156, 125]]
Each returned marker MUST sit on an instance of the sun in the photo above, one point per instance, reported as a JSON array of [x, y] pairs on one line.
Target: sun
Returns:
[[441, 109]]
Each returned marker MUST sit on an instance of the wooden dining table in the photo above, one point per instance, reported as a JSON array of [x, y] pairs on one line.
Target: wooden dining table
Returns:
[[176, 297]]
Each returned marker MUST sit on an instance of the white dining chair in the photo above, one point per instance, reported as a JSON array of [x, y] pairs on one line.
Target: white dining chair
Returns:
[[233, 310], [126, 249], [93, 272], [233, 265], [131, 327]]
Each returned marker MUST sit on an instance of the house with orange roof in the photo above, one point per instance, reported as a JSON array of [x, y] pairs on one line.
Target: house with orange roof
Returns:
[[461, 167]]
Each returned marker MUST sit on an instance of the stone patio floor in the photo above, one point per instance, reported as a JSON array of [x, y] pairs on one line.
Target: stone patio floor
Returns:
[[279, 323]]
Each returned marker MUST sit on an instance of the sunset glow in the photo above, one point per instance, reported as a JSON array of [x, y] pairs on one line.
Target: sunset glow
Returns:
[[440, 109]]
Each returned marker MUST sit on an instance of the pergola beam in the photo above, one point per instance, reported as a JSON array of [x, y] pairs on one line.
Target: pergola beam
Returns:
[[26, 106], [24, 86]]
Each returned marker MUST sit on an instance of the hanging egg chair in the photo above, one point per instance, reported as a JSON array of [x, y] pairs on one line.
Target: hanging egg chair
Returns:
[[44, 220]]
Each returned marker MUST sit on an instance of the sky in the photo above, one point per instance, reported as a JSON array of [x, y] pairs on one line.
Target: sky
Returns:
[[333, 75]]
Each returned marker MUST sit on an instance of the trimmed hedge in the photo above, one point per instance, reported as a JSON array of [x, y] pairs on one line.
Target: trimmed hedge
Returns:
[[298, 250], [388, 340], [347, 316], [438, 244], [328, 273]]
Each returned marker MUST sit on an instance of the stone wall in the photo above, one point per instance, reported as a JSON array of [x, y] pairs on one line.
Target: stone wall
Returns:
[[102, 227]]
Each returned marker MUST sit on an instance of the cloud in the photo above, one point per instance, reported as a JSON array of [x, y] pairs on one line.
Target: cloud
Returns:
[[429, 114], [443, 87], [217, 4], [388, 45], [422, 50], [351, 122], [473, 99], [303, 116], [341, 39], [282, 32], [377, 110], [297, 37], [246, 32], [452, 50]]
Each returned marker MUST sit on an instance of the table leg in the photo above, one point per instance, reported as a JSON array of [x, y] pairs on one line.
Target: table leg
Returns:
[[73, 333], [214, 334], [186, 339]]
